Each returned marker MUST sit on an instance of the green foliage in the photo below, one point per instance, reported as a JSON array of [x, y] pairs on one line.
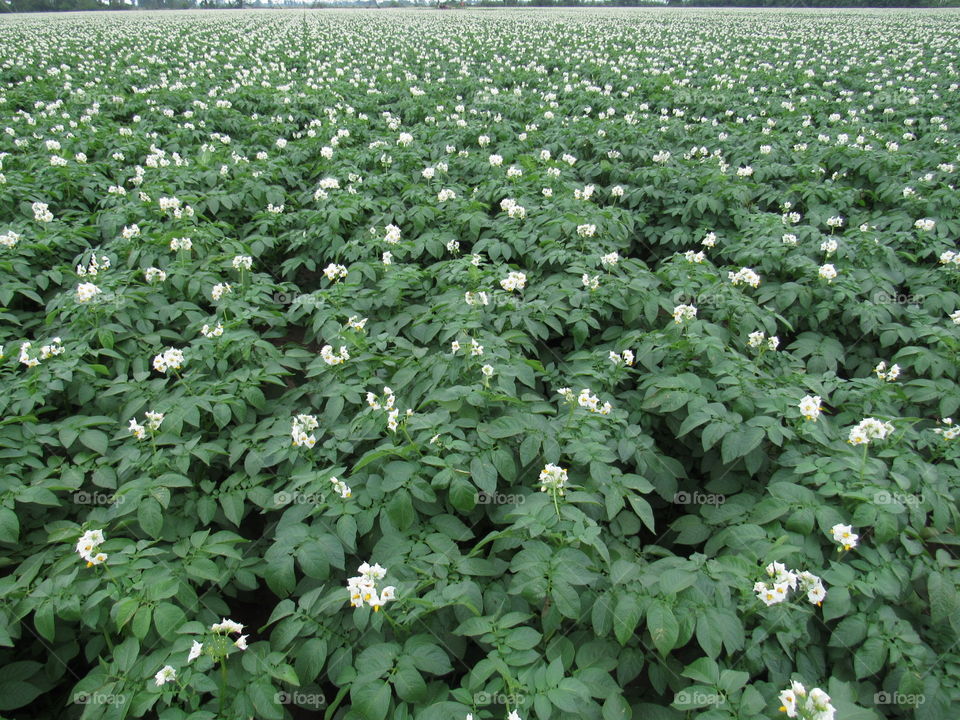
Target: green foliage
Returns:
[[571, 529]]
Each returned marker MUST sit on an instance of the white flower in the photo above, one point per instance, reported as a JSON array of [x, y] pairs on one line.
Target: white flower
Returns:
[[387, 258], [744, 276], [810, 407], [828, 246], [610, 259], [844, 535], [170, 359], [86, 292], [335, 272], [593, 283], [869, 429], [181, 244], [487, 370], [362, 588], [496, 160], [710, 240], [684, 312], [925, 224], [41, 212], [514, 281], [326, 352], [226, 626], [789, 239], [553, 478], [828, 272], [87, 547], [9, 239], [219, 290], [242, 262], [241, 642], [165, 675], [887, 375], [835, 221], [213, 332], [392, 234], [586, 230], [195, 651]]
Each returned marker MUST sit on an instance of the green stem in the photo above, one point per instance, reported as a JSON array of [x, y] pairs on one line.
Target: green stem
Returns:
[[223, 684]]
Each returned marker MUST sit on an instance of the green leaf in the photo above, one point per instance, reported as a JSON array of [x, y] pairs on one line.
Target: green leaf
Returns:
[[44, 621], [15, 694], [310, 659], [663, 626], [738, 443], [126, 653], [96, 440], [168, 618], [150, 517], [371, 700], [626, 616], [408, 681], [264, 697], [9, 526], [400, 509]]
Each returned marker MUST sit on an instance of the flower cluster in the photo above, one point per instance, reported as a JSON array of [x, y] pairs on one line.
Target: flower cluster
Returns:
[[828, 272], [219, 290], [242, 262], [341, 488], [335, 272], [810, 407], [758, 339], [330, 358], [784, 580], [86, 292], [797, 703], [553, 478], [949, 432], [169, 359], [869, 429], [153, 424], [87, 547], [586, 399], [624, 358], [46, 351], [301, 425], [476, 298], [744, 276], [9, 239], [363, 588], [887, 375], [389, 400], [514, 281], [512, 208], [610, 259], [95, 266], [212, 332], [844, 535], [682, 313], [592, 282]]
